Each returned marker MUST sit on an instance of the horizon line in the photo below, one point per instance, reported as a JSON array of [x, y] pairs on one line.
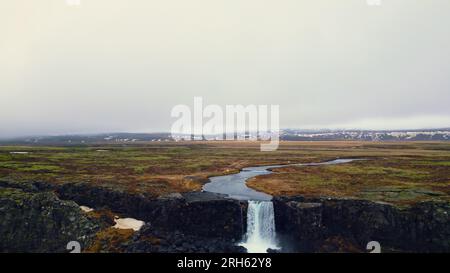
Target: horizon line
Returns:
[[166, 132]]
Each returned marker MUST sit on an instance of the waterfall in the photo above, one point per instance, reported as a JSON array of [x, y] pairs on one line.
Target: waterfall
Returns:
[[260, 227]]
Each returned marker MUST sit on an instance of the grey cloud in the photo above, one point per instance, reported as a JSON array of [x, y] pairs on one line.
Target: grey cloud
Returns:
[[112, 65]]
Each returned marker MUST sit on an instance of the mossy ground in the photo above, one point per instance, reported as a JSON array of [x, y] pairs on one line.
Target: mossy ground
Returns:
[[398, 180], [397, 172], [16, 195], [110, 240]]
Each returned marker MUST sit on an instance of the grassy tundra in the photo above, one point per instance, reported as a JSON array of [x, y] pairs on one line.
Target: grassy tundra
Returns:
[[396, 172]]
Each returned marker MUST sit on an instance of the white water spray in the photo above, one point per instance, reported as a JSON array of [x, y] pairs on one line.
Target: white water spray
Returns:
[[260, 227]]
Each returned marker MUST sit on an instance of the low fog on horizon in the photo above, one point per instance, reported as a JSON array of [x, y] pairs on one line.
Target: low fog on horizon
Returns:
[[121, 66]]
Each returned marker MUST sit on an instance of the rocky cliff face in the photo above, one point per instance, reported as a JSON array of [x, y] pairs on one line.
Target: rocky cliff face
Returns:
[[150, 239], [35, 218], [197, 213], [424, 227], [201, 214], [40, 222], [301, 221]]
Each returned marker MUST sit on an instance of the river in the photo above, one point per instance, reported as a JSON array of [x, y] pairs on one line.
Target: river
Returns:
[[261, 234]]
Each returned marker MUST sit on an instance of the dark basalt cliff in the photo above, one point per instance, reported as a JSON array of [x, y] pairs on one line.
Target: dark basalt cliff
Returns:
[[190, 222], [40, 222], [35, 217], [197, 213], [149, 239], [323, 224]]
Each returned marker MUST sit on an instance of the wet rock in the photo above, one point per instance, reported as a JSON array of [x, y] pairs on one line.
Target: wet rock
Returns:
[[298, 221]]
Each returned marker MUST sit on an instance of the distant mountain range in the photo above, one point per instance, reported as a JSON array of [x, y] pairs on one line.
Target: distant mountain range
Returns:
[[286, 134], [368, 135], [90, 138]]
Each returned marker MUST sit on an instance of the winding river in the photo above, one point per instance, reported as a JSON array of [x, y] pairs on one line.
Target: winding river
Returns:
[[260, 235], [234, 185]]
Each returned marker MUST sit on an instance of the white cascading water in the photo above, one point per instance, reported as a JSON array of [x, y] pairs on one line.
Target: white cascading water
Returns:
[[260, 227]]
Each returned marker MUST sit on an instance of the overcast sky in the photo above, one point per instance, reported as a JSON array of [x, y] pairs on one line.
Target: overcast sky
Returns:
[[117, 65]]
